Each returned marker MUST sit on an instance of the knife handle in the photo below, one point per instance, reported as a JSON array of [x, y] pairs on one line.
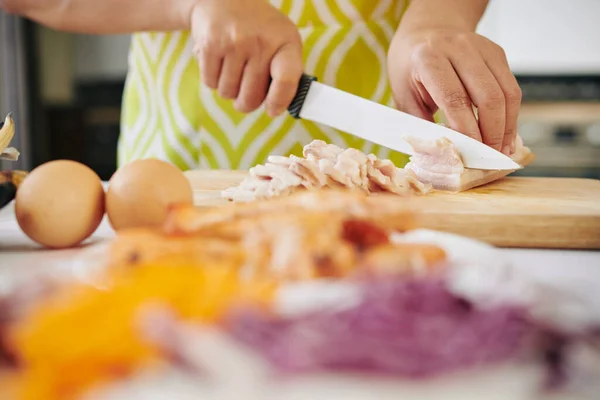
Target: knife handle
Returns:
[[296, 105]]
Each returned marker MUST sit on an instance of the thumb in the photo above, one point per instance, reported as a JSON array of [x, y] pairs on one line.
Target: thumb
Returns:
[[286, 71]]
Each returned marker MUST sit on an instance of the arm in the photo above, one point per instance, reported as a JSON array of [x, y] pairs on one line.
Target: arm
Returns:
[[240, 44], [105, 16], [437, 61]]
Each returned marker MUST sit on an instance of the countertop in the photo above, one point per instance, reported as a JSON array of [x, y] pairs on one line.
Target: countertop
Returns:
[[17, 252]]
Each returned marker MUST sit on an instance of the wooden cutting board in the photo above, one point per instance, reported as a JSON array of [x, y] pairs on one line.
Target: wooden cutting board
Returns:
[[511, 212]]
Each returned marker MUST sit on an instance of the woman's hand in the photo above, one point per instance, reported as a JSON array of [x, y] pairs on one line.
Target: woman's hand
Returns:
[[240, 45], [454, 69]]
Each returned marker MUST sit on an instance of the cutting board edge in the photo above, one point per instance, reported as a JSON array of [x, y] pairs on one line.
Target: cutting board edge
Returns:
[[511, 233], [572, 230]]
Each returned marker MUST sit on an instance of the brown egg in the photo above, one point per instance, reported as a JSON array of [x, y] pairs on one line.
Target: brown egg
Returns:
[[60, 204], [140, 193]]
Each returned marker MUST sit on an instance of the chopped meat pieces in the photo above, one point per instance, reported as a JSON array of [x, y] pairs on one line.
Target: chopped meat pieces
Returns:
[[435, 164], [325, 166], [309, 234], [439, 164], [385, 209]]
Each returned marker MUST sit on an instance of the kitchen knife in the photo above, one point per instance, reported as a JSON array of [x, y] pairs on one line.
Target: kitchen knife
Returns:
[[384, 125]]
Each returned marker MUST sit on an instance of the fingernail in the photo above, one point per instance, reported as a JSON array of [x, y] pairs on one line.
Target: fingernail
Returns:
[[506, 150], [275, 112], [513, 146]]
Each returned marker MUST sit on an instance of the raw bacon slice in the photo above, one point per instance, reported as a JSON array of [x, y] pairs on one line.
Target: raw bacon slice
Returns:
[[439, 164]]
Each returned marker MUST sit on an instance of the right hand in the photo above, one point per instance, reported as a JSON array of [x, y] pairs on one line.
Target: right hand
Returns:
[[241, 45]]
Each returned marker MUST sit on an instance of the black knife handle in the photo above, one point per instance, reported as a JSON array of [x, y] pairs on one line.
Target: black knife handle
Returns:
[[296, 105], [298, 101]]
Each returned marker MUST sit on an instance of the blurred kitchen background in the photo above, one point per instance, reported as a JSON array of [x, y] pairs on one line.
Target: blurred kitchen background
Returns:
[[66, 89]]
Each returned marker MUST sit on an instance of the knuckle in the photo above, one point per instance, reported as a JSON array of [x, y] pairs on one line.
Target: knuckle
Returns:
[[287, 78], [290, 77], [209, 46], [494, 143], [246, 42], [495, 140], [424, 52], [243, 43], [456, 101], [514, 96], [492, 99], [461, 39], [450, 39], [285, 87], [227, 91], [295, 37], [225, 46], [276, 103], [500, 51], [510, 133]]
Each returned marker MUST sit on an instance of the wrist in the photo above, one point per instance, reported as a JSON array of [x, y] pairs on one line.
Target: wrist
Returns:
[[184, 11], [439, 14]]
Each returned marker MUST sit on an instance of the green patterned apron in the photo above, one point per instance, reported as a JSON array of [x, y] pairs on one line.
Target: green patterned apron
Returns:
[[168, 113]]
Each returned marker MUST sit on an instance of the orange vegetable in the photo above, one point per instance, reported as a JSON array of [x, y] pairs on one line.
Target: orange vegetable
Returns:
[[86, 336]]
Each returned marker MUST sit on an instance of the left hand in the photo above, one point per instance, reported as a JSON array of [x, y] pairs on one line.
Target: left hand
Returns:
[[454, 69]]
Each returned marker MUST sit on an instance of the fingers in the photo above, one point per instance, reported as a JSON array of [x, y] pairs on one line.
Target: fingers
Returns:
[[415, 101], [211, 62], [447, 91], [247, 80], [252, 70], [411, 104], [231, 75], [485, 93], [286, 71], [255, 83], [512, 97]]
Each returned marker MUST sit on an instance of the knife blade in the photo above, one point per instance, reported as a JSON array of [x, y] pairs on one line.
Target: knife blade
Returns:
[[384, 125]]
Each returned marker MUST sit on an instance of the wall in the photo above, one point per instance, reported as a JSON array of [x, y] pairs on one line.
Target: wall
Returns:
[[101, 57], [56, 65], [546, 36], [66, 58]]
